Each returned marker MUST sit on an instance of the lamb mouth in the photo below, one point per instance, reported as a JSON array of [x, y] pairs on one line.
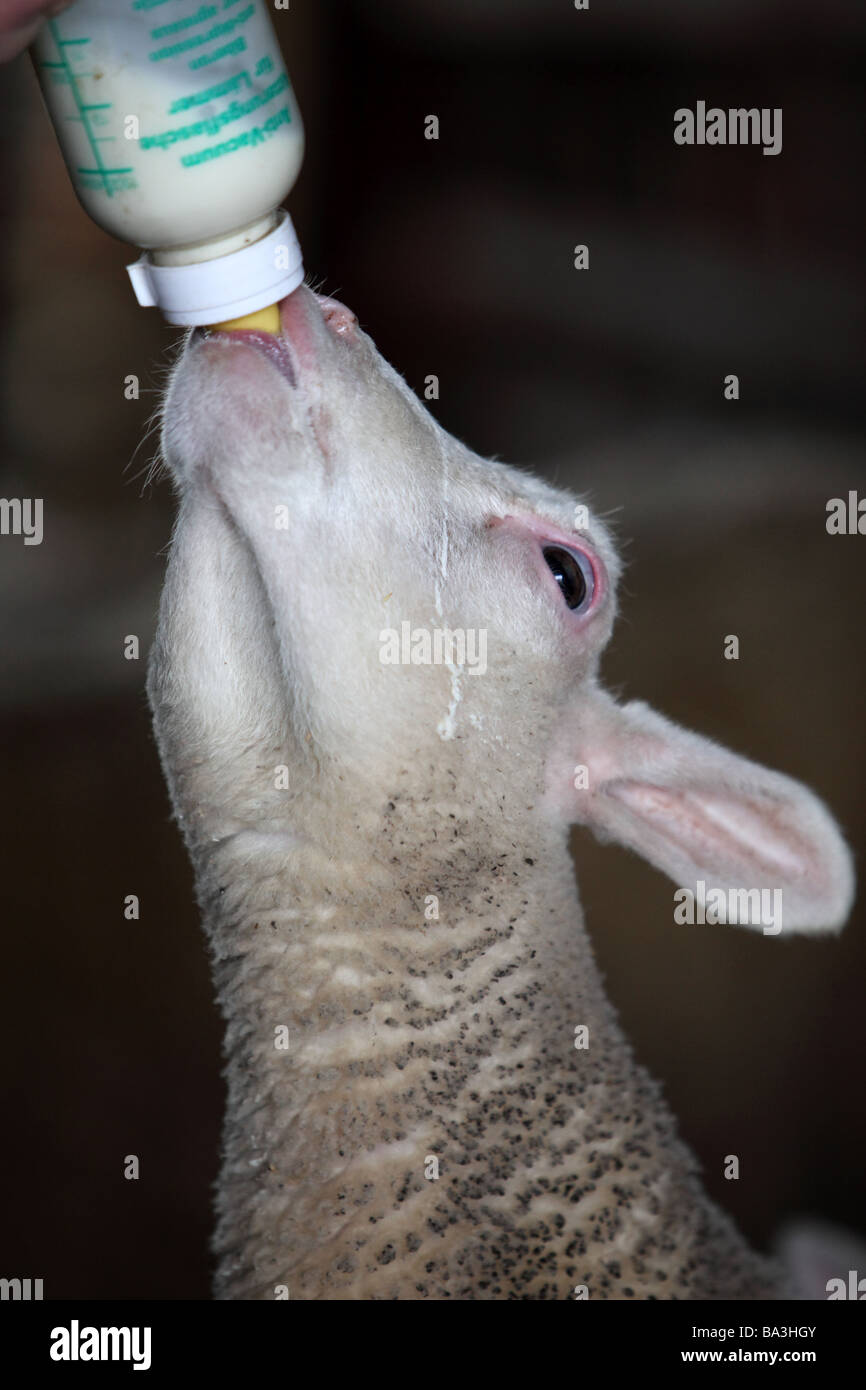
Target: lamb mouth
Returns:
[[275, 348]]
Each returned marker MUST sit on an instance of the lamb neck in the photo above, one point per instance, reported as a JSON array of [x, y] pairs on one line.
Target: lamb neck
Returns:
[[429, 1095]]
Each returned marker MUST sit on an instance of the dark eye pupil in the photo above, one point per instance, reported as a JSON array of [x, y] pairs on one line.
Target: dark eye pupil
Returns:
[[568, 575]]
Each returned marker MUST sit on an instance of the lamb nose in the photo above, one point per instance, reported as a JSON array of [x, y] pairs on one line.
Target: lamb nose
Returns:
[[338, 318]]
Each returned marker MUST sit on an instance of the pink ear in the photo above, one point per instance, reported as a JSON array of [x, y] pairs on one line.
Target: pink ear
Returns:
[[700, 813]]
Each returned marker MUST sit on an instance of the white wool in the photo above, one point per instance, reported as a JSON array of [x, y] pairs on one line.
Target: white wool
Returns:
[[381, 853]]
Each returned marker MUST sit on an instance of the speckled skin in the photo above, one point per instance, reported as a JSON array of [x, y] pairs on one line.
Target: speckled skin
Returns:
[[426, 1128], [455, 1038]]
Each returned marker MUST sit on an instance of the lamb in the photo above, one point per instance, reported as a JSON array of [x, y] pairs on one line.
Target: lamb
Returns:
[[429, 1095]]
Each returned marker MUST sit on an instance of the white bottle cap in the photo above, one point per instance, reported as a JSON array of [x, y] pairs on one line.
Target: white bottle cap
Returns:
[[226, 287]]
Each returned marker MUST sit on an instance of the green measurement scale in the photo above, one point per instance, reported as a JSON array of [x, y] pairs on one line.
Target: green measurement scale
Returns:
[[196, 83], [61, 70]]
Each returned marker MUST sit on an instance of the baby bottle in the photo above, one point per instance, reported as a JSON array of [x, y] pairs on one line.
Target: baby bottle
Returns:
[[180, 132]]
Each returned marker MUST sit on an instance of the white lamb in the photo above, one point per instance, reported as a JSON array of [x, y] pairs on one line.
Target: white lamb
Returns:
[[429, 1095]]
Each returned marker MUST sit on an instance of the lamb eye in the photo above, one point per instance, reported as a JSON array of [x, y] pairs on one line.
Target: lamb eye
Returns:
[[572, 573]]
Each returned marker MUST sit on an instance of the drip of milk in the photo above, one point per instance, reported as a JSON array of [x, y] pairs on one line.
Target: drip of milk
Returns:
[[181, 134]]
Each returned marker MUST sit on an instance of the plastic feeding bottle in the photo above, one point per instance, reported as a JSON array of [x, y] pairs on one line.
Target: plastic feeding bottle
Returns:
[[181, 135]]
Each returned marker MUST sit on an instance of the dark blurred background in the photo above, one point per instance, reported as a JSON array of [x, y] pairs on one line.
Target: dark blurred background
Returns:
[[556, 128]]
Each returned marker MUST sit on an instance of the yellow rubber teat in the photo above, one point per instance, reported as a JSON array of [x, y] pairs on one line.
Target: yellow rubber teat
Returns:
[[267, 320]]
